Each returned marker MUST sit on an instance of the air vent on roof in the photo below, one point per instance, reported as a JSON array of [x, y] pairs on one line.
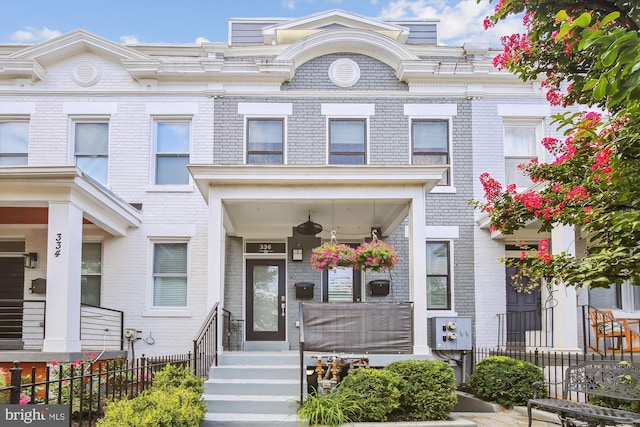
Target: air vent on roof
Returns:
[[344, 72]]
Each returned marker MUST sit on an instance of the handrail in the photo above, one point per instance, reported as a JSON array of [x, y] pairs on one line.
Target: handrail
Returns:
[[527, 328], [205, 344]]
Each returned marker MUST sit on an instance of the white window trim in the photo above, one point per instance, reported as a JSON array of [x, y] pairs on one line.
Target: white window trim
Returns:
[[168, 188], [451, 311], [265, 109], [22, 118], [367, 136], [520, 121], [434, 112], [90, 118], [273, 116], [151, 310]]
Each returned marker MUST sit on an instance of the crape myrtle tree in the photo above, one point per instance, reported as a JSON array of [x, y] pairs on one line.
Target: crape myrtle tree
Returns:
[[587, 54]]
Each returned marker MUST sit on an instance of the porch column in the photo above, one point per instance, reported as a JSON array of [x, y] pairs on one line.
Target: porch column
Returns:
[[64, 253], [418, 272], [216, 259], [565, 314]]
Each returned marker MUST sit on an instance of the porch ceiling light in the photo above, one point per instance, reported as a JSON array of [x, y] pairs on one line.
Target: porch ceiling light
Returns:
[[308, 228], [31, 260]]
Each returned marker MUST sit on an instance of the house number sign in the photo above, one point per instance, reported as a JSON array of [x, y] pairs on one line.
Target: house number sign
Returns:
[[58, 247], [265, 248]]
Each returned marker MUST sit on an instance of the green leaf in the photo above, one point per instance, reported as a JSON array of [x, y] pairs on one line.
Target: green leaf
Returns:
[[562, 15], [583, 20], [610, 17]]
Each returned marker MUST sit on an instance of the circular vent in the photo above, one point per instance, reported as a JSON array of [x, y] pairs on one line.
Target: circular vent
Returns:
[[344, 72], [86, 73]]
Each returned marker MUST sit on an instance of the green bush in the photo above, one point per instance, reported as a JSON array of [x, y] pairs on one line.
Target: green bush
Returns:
[[173, 376], [376, 391], [506, 381], [175, 399], [428, 391], [330, 410], [611, 402]]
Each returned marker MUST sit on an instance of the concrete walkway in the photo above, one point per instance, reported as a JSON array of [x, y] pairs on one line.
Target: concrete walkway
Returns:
[[516, 417]]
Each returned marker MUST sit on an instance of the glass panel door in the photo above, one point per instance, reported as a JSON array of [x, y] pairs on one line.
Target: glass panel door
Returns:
[[266, 304]]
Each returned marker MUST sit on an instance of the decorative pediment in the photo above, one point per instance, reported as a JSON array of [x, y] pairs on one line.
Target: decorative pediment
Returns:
[[31, 63], [297, 29]]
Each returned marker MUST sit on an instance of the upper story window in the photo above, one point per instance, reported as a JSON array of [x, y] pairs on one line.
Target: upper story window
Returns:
[[430, 144], [347, 141], [91, 270], [438, 276], [172, 147], [14, 142], [520, 147], [265, 141], [91, 149], [169, 274]]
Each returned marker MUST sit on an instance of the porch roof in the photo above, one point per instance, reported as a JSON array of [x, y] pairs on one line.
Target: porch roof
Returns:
[[267, 201], [34, 187]]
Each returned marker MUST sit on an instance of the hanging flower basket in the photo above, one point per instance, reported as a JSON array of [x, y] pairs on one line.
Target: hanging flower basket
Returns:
[[331, 255], [376, 256]]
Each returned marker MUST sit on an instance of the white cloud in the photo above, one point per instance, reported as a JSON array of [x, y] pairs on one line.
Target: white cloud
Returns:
[[201, 40], [289, 4], [129, 39], [460, 21], [34, 35]]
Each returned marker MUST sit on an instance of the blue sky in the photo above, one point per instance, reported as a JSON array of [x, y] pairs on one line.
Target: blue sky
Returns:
[[192, 21]]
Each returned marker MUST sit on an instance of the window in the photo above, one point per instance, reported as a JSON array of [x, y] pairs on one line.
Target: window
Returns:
[[438, 276], [265, 141], [91, 271], [92, 149], [347, 141], [172, 152], [170, 274], [519, 147], [430, 144], [14, 139]]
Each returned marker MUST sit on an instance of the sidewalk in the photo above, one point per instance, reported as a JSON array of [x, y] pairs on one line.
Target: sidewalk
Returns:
[[516, 417]]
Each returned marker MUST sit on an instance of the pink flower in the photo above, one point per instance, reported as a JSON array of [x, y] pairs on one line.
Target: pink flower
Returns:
[[24, 399], [54, 363]]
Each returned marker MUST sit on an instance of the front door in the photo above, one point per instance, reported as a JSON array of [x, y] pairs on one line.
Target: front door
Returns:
[[523, 310], [11, 302], [266, 300]]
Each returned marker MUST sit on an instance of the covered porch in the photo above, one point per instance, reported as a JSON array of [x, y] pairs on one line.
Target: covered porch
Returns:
[[46, 213], [266, 203]]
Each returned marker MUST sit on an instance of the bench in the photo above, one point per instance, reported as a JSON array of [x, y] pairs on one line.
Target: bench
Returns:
[[620, 380]]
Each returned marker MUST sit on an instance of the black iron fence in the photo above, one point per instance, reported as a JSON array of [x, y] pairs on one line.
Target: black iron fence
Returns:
[[85, 385], [553, 364], [523, 329]]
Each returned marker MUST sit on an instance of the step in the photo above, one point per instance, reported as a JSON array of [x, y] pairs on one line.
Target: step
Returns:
[[274, 372], [256, 404], [252, 387], [290, 358], [250, 420]]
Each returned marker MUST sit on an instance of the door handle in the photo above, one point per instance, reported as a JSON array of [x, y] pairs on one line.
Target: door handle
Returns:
[[282, 308]]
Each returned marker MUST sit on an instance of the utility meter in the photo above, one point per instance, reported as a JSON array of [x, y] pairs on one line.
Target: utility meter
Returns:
[[450, 333]]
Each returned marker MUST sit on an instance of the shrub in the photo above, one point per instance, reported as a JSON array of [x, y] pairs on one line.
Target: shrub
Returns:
[[173, 376], [156, 408], [376, 391], [428, 390], [175, 399], [330, 410], [611, 402], [506, 381]]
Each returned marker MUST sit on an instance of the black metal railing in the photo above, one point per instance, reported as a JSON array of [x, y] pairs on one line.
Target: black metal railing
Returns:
[[86, 385], [526, 329], [22, 322], [205, 344]]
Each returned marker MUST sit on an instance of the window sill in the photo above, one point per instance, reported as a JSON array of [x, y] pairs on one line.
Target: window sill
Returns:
[[170, 189], [178, 312], [443, 189]]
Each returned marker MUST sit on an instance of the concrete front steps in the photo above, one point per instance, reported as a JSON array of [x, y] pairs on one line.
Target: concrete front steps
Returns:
[[254, 388]]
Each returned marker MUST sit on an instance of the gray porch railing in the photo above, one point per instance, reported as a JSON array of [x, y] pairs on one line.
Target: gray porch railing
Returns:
[[24, 320]]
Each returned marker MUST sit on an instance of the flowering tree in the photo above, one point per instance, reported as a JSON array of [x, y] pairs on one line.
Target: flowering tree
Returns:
[[588, 53]]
